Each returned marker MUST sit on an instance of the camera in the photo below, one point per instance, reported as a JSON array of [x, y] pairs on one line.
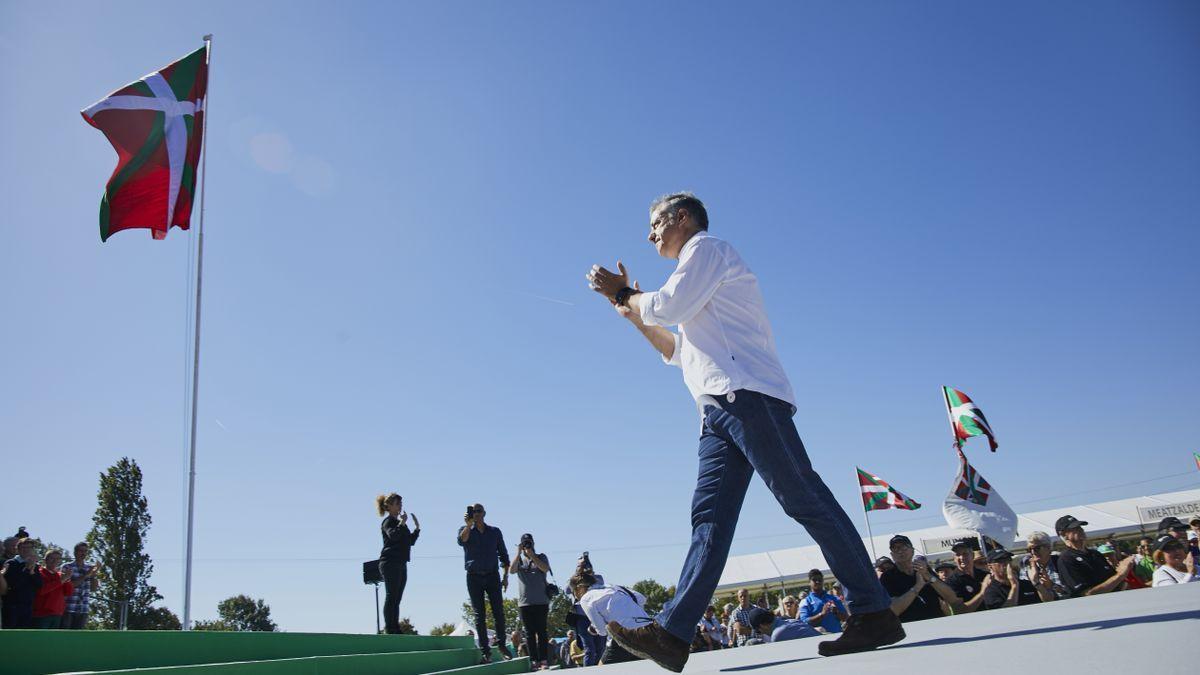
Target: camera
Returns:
[[527, 541], [471, 511]]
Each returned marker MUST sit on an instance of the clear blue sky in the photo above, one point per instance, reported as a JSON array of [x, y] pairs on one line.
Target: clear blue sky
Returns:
[[403, 200]]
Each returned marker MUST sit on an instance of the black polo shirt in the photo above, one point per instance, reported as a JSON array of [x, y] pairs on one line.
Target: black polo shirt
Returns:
[[927, 604], [997, 594], [966, 587], [1081, 570]]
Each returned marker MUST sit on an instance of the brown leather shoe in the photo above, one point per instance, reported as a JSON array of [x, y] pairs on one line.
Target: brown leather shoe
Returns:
[[653, 642], [865, 632]]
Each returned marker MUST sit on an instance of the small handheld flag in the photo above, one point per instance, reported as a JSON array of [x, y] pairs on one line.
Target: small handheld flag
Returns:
[[877, 494], [966, 418]]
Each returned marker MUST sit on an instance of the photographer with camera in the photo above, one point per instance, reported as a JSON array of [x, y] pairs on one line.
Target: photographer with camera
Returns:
[[483, 546], [533, 598], [393, 559]]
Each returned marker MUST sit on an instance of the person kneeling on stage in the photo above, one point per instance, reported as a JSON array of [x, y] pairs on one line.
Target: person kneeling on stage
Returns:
[[777, 629], [605, 606]]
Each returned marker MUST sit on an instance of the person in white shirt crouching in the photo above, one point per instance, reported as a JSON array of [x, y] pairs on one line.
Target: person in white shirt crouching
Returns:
[[609, 604]]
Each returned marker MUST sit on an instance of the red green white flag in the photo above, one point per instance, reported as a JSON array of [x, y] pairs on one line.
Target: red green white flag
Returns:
[[966, 418], [877, 494], [155, 125], [1196, 456]]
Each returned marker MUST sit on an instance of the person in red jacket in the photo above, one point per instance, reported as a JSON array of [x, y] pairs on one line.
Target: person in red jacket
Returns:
[[51, 599]]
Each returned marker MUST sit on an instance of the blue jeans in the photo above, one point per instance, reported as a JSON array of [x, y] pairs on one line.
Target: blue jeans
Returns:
[[748, 434]]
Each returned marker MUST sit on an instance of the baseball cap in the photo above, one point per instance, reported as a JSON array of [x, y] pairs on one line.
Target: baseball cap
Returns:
[[899, 539], [884, 560], [1166, 541], [963, 543], [999, 555], [1068, 523], [1171, 523], [759, 616], [945, 565]]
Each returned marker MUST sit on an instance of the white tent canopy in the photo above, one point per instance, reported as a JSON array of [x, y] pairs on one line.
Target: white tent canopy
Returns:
[[1120, 517]]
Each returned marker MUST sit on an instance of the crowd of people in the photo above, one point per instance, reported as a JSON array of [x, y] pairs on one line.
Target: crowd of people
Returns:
[[976, 579], [44, 592]]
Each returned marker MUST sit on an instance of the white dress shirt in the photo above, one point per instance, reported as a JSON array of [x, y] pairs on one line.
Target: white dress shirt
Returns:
[[602, 604], [724, 341]]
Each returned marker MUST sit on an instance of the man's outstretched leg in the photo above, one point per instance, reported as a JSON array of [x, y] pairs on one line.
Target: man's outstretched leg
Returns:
[[720, 489], [762, 426]]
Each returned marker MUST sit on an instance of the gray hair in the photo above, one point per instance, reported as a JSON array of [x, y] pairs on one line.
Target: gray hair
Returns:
[[686, 201], [1037, 538]]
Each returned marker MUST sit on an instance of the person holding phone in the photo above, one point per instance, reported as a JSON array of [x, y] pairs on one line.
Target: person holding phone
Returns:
[[398, 541], [483, 546], [533, 602]]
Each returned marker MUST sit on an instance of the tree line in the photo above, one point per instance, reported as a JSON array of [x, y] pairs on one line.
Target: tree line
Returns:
[[117, 541]]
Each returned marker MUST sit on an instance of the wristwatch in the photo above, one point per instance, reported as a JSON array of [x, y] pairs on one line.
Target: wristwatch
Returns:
[[622, 296]]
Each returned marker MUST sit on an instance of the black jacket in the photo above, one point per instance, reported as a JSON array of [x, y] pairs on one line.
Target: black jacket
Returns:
[[22, 586], [397, 540]]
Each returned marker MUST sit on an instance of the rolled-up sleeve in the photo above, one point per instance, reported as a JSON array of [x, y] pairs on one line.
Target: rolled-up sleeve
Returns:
[[689, 288]]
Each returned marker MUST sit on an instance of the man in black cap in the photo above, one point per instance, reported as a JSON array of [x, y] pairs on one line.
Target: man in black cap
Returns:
[[1083, 570], [1008, 589], [1174, 527], [971, 579], [916, 594]]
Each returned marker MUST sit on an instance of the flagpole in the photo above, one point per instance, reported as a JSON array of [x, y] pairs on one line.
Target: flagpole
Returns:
[[191, 494], [945, 398], [866, 517]]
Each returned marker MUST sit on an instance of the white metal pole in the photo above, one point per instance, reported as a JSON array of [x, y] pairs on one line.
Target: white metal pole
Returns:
[[191, 496], [866, 517]]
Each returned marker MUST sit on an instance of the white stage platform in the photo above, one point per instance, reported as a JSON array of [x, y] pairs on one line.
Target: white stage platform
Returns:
[[1124, 632]]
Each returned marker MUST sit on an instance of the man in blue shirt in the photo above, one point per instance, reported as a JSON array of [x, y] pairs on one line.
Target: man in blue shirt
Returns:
[[821, 609], [483, 549], [778, 629]]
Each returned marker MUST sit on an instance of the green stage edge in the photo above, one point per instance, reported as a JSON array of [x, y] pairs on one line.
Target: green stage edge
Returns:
[[42, 652]]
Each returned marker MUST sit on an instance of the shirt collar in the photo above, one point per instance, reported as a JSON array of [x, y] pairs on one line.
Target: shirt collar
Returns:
[[693, 241]]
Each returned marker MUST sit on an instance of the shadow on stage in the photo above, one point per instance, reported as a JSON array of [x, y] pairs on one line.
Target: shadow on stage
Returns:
[[756, 666], [1094, 625]]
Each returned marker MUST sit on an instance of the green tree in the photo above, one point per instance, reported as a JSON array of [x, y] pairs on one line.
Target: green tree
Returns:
[[117, 537], [512, 615], [556, 623], [241, 613], [161, 618], [442, 629], [407, 628], [656, 594]]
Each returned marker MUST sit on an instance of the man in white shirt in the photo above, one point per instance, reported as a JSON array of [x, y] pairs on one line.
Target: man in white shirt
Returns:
[[727, 352]]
